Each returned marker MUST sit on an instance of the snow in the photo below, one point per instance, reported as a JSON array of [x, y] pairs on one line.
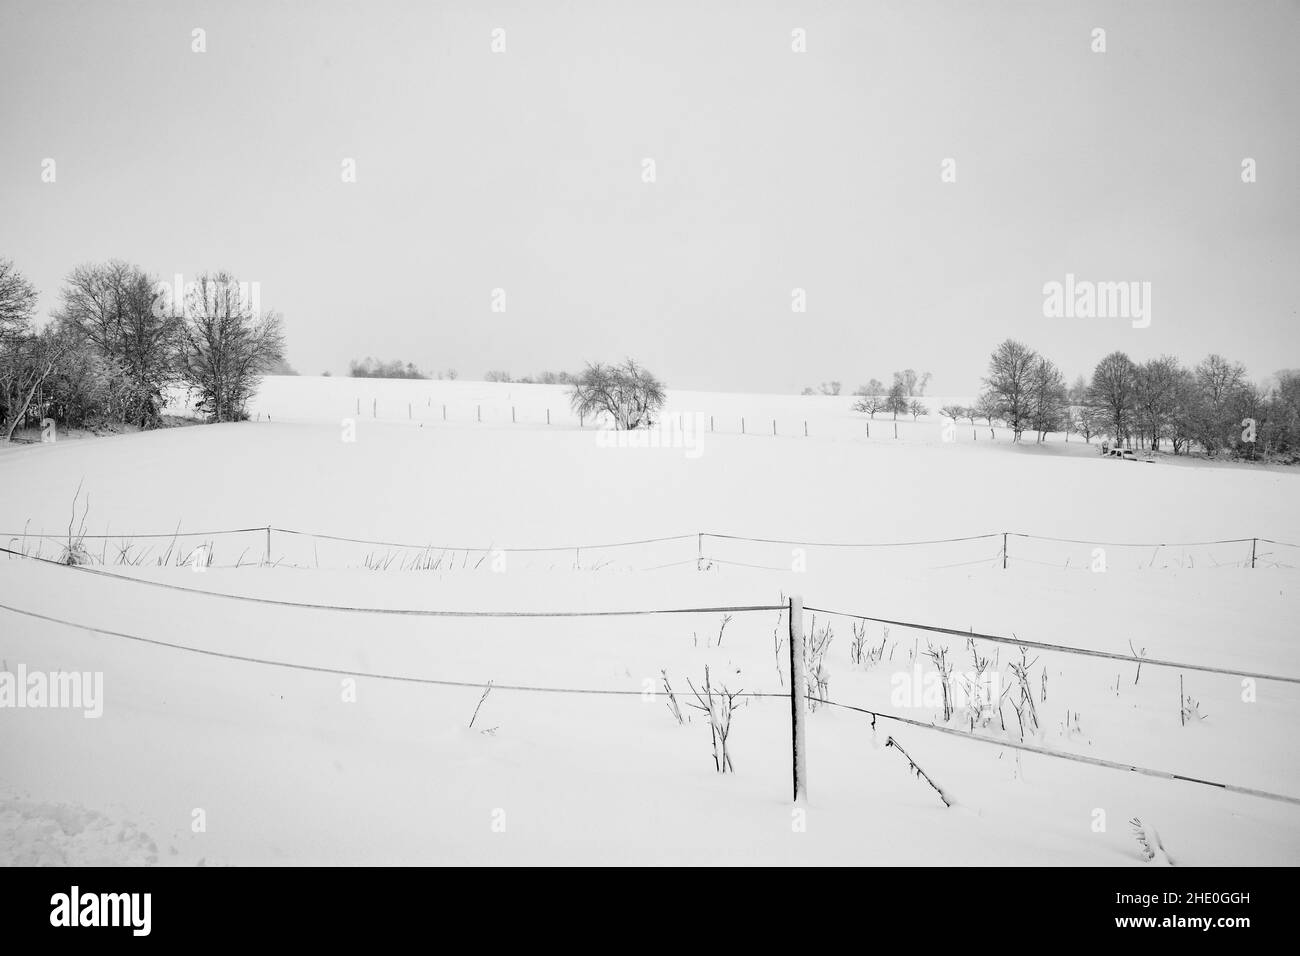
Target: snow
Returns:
[[285, 768]]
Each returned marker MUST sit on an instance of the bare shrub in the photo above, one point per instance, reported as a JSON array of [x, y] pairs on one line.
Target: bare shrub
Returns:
[[814, 663], [939, 657], [720, 706], [863, 654], [1023, 697]]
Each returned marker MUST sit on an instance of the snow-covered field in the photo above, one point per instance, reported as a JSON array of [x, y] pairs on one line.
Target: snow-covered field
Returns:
[[281, 765]]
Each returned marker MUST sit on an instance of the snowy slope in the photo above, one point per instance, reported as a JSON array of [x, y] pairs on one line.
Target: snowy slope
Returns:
[[286, 770]]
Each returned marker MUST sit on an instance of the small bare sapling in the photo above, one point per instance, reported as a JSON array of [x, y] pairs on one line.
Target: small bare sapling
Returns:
[[486, 690], [673, 707], [719, 705], [814, 663], [1022, 700], [916, 769], [939, 657]]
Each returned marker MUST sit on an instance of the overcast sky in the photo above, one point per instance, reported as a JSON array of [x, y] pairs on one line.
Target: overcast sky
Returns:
[[775, 170]]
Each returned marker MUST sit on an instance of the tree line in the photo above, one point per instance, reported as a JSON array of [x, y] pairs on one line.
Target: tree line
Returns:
[[119, 340], [1213, 405]]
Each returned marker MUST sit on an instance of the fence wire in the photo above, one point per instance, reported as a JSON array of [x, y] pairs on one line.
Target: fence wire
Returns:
[[619, 692]]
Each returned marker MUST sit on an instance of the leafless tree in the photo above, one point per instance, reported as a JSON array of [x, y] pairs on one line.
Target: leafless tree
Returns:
[[913, 385], [17, 302], [896, 401], [1009, 384], [629, 394], [25, 365], [1112, 391], [115, 307], [1048, 404], [225, 348], [871, 397], [1156, 396]]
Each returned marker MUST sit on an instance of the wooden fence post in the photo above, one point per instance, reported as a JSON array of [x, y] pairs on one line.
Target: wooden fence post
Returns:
[[358, 407], [805, 428], [548, 416], [374, 408], [444, 413], [512, 414], [742, 424], [798, 703], [1004, 550], [479, 412], [1253, 542], [268, 544], [774, 426], [699, 550]]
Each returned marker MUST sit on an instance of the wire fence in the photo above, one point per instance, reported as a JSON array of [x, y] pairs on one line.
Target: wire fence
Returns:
[[622, 692], [295, 547], [727, 609]]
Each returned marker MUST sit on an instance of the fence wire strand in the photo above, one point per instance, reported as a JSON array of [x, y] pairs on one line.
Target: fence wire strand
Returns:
[[616, 692]]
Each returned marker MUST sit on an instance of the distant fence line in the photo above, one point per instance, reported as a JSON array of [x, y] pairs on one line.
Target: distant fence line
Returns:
[[703, 558], [699, 536], [750, 425]]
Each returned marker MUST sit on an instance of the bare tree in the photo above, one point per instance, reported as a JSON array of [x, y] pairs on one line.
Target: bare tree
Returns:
[[913, 385], [114, 306], [1048, 405], [1219, 383], [871, 397], [628, 393], [26, 363], [17, 302], [225, 348], [896, 401], [1089, 422], [1009, 384], [1112, 392], [917, 408], [1156, 395]]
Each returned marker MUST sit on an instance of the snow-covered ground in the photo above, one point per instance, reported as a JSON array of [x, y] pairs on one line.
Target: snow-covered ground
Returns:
[[281, 765]]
